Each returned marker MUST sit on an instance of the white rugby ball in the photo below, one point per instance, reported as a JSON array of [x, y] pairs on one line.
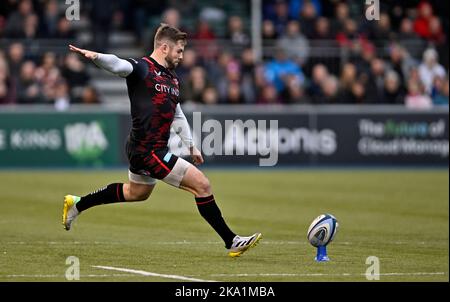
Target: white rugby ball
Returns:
[[322, 230]]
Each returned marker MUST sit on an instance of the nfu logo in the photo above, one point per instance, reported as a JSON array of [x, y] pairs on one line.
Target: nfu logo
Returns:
[[373, 10]]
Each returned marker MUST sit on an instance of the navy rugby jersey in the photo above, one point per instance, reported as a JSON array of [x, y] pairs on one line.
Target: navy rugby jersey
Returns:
[[154, 94]]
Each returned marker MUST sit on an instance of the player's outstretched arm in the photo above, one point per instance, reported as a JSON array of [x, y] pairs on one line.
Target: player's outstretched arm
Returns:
[[88, 54], [107, 62]]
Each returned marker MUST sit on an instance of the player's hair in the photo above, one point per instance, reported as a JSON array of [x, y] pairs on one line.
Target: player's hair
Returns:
[[170, 33]]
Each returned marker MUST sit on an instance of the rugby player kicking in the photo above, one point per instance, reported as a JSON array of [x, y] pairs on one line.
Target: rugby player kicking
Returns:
[[153, 89]]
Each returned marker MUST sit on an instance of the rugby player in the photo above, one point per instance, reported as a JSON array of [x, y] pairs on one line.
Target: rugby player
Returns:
[[153, 90]]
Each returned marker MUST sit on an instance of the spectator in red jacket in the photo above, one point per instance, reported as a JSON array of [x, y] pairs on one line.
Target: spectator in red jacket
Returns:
[[422, 23]]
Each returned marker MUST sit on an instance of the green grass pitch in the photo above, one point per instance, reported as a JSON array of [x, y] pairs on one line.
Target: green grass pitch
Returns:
[[399, 216]]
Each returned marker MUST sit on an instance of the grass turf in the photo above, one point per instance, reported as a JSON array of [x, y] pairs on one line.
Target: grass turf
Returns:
[[401, 217]]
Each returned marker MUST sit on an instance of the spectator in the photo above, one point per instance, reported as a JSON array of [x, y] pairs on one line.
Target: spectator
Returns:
[[357, 93], [319, 75], [401, 62], [281, 16], [185, 7], [409, 39], [49, 77], [375, 84], [62, 99], [31, 27], [330, 91], [210, 96], [51, 18], [101, 18], [236, 33], [217, 69], [297, 6], [192, 90], [206, 45], [248, 66], [436, 33], [171, 16], [342, 14], [440, 91], [429, 69], [308, 18], [212, 14], [322, 30], [16, 21], [260, 78], [269, 95], [416, 98], [413, 75], [75, 73], [64, 29], [406, 31], [347, 79], [393, 92], [188, 62], [234, 94], [6, 84], [16, 55], [232, 76], [279, 68], [363, 61], [422, 22], [28, 89], [382, 31], [5, 90], [7, 8], [348, 37], [139, 12], [294, 44], [294, 92], [90, 96], [269, 36]]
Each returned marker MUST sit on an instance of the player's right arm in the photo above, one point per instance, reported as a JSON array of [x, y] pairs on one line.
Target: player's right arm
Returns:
[[108, 62]]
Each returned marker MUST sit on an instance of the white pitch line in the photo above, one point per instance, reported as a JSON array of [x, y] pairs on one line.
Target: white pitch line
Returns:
[[62, 276], [224, 275], [184, 242], [144, 273], [325, 275], [62, 242]]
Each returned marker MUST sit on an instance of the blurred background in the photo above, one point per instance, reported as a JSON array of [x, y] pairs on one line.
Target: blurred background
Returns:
[[320, 63]]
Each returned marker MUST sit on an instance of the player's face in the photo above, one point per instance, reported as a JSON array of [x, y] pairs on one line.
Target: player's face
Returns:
[[175, 55]]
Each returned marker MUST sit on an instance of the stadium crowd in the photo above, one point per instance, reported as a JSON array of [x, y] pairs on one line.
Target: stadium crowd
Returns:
[[314, 51]]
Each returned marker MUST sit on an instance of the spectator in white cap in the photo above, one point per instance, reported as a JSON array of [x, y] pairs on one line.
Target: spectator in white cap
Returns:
[[430, 68]]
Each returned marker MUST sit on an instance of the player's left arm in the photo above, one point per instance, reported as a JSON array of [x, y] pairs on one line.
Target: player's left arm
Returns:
[[181, 127], [108, 62]]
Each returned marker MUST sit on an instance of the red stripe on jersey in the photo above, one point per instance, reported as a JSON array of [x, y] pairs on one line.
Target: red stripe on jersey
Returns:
[[145, 58], [160, 162]]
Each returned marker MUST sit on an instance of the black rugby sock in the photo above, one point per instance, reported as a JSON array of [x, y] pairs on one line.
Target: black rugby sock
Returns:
[[109, 194], [211, 213]]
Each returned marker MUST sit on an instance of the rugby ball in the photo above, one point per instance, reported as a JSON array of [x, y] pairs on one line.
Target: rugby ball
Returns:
[[322, 230]]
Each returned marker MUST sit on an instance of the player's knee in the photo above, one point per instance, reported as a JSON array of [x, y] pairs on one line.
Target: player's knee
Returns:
[[138, 194], [203, 187], [141, 196]]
